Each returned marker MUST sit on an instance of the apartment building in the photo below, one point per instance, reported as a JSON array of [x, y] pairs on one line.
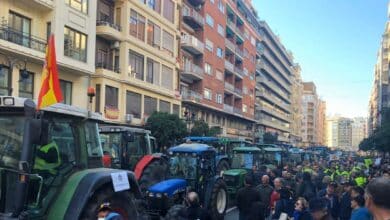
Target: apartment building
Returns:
[[296, 115], [218, 63], [359, 131], [321, 123], [274, 79], [339, 133], [310, 114], [137, 44], [24, 30]]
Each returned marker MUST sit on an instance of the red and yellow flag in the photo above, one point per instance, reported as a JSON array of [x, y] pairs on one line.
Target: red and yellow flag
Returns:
[[50, 92]]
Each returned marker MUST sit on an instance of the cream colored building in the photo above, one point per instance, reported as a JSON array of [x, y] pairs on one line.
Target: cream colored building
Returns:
[[136, 59], [339, 133], [321, 122], [296, 100], [359, 131], [25, 26]]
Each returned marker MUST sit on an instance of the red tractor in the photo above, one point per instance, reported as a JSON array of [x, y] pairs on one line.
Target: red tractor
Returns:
[[136, 150]]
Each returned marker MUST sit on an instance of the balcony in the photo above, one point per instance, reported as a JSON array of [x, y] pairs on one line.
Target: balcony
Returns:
[[274, 112], [238, 92], [230, 44], [271, 98], [192, 72], [23, 39], [276, 76], [229, 66], [240, 52], [278, 66], [192, 44], [107, 66], [229, 87], [108, 30], [277, 52], [271, 85], [235, 29], [239, 71], [39, 4], [191, 96], [228, 108], [237, 110], [192, 17], [272, 123]]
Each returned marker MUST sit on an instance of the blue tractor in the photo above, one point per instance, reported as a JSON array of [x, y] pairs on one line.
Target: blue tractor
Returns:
[[192, 167]]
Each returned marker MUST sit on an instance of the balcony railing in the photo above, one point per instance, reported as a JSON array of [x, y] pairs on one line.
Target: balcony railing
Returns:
[[239, 71], [238, 91], [107, 66], [229, 65], [229, 86], [109, 24], [239, 52], [237, 110], [23, 39], [191, 41], [191, 96], [190, 12], [228, 108], [193, 68], [230, 44]]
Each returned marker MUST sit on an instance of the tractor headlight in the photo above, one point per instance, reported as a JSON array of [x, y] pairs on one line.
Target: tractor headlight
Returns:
[[158, 195], [151, 194]]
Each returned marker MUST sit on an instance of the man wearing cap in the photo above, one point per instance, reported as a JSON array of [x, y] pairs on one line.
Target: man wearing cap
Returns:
[[331, 198], [105, 212], [345, 201]]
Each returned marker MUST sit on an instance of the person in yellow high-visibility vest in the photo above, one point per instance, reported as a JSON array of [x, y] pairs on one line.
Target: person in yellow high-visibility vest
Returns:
[[47, 158]]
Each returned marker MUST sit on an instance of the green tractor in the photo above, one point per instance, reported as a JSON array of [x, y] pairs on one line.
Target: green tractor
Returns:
[[51, 165], [137, 154], [244, 158]]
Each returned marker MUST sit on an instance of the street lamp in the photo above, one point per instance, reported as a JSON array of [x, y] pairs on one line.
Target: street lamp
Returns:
[[12, 62]]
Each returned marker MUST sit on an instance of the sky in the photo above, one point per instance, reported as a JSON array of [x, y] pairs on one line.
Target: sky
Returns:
[[335, 42]]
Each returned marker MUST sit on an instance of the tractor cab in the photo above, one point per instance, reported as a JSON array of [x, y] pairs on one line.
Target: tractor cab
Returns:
[[295, 156], [46, 158], [192, 167], [272, 155], [244, 158]]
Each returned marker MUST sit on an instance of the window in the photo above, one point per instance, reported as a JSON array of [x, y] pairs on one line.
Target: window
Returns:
[[153, 72], [48, 30], [80, 5], [166, 77], [253, 41], [93, 140], [221, 7], [111, 97], [136, 61], [219, 98], [219, 75], [176, 109], [150, 105], [207, 94], [75, 44], [153, 35], [219, 52], [26, 85], [137, 25], [133, 104], [104, 12], [210, 20], [221, 30], [208, 69], [244, 108], [168, 42], [209, 45], [22, 26], [66, 89], [155, 5], [165, 106], [168, 12], [4, 86], [97, 98]]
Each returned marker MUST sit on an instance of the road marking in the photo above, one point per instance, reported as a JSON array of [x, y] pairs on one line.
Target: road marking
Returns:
[[231, 209]]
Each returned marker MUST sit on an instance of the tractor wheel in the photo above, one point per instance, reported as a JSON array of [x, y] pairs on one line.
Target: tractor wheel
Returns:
[[173, 212], [219, 200], [154, 173], [222, 166], [121, 202]]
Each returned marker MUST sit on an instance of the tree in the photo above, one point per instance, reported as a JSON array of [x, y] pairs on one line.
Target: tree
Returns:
[[270, 138], [200, 128], [166, 128], [379, 139]]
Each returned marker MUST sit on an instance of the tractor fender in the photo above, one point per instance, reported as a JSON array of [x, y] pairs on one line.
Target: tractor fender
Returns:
[[144, 162], [79, 189], [209, 190]]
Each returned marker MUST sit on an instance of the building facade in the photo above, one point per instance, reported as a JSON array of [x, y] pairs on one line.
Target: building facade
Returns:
[[339, 133], [321, 122], [25, 28], [296, 97], [359, 131], [137, 49], [309, 114], [274, 78]]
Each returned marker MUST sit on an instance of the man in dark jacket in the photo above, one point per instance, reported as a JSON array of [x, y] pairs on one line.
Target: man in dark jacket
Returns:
[[345, 201], [194, 211], [332, 199], [246, 197], [265, 190]]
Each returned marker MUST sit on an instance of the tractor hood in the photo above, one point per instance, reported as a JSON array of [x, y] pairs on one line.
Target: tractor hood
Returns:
[[168, 187], [235, 172]]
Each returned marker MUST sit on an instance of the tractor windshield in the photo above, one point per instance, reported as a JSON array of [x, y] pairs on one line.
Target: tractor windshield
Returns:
[[242, 160], [271, 157], [11, 140], [111, 143], [183, 166]]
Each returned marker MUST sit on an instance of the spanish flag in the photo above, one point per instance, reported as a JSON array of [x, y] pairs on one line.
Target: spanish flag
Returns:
[[50, 92]]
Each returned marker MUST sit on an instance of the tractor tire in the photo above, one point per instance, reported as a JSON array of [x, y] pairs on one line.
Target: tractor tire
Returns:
[[222, 166], [219, 200], [121, 202], [173, 212], [154, 173]]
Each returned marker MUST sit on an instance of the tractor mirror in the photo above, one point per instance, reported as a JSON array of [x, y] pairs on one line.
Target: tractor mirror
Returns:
[[128, 136]]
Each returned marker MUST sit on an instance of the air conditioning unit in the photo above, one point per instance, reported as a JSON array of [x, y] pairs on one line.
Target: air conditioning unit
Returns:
[[129, 118], [115, 45]]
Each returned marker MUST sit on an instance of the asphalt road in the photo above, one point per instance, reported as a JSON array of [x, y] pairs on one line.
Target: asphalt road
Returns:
[[232, 214]]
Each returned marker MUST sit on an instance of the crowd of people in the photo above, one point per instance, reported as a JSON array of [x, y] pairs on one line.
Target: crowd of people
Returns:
[[322, 190]]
